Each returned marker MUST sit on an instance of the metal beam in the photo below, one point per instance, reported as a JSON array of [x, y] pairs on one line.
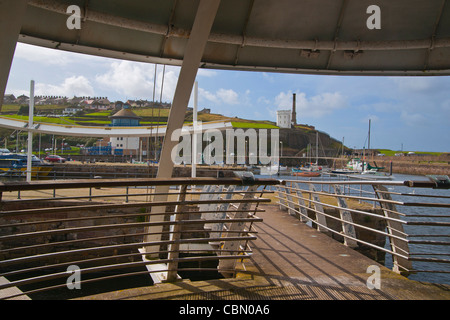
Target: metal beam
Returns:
[[237, 39], [201, 29], [11, 16]]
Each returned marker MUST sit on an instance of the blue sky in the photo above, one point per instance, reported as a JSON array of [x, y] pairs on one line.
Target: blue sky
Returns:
[[412, 112]]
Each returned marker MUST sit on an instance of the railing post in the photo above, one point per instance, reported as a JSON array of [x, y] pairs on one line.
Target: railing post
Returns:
[[235, 230], [394, 228], [175, 235], [282, 197], [221, 213], [302, 206], [347, 229], [320, 218]]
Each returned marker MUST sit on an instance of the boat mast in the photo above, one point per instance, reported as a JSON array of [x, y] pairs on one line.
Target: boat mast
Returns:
[[317, 147]]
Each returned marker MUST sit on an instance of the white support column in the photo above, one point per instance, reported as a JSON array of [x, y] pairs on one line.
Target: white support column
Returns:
[[11, 17], [30, 133], [194, 134], [201, 29]]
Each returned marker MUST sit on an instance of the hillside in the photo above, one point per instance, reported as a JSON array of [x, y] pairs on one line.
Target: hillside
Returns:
[[295, 142]]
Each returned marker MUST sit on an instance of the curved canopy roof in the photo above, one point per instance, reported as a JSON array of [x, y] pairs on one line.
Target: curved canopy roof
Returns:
[[296, 36]]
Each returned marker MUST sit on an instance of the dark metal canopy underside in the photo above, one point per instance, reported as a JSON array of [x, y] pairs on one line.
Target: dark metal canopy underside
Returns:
[[295, 36]]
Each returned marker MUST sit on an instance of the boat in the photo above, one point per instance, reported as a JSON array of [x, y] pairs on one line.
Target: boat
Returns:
[[311, 170], [15, 165], [306, 174], [344, 171], [271, 170]]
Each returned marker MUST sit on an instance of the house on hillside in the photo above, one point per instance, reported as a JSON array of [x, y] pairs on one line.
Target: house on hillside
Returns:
[[75, 101], [9, 99], [71, 110], [101, 104], [22, 99]]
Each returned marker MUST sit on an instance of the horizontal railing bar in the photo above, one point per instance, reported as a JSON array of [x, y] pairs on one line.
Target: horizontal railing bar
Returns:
[[121, 195], [114, 277], [401, 203], [119, 256], [96, 183], [346, 209], [345, 196], [57, 275], [414, 194], [66, 242], [126, 225], [118, 216], [128, 205], [407, 183], [121, 246]]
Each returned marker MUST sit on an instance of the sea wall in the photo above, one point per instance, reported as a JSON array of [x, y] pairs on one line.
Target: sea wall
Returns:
[[414, 165], [76, 169]]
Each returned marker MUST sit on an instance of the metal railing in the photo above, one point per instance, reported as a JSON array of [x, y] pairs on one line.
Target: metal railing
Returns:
[[372, 214], [70, 233]]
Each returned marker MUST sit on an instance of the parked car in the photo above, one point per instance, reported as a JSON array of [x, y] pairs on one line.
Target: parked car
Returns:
[[55, 158]]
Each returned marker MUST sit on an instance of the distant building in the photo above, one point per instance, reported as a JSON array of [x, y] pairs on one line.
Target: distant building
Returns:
[[284, 118], [125, 118], [9, 99], [23, 99], [71, 110], [125, 145]]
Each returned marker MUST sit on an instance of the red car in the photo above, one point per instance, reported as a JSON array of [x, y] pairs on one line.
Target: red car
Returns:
[[55, 158]]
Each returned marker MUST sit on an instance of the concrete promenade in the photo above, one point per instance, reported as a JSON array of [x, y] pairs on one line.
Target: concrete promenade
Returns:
[[292, 262]]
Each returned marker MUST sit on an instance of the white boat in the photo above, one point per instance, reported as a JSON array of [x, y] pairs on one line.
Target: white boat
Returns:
[[271, 170], [373, 174]]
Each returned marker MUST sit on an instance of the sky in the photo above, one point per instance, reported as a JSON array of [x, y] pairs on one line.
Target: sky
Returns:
[[406, 113]]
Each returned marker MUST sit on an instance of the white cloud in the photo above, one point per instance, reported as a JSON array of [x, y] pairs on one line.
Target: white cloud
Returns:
[[414, 84], [43, 55], [221, 96], [316, 106], [206, 95], [206, 73], [135, 80], [228, 96], [73, 86]]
